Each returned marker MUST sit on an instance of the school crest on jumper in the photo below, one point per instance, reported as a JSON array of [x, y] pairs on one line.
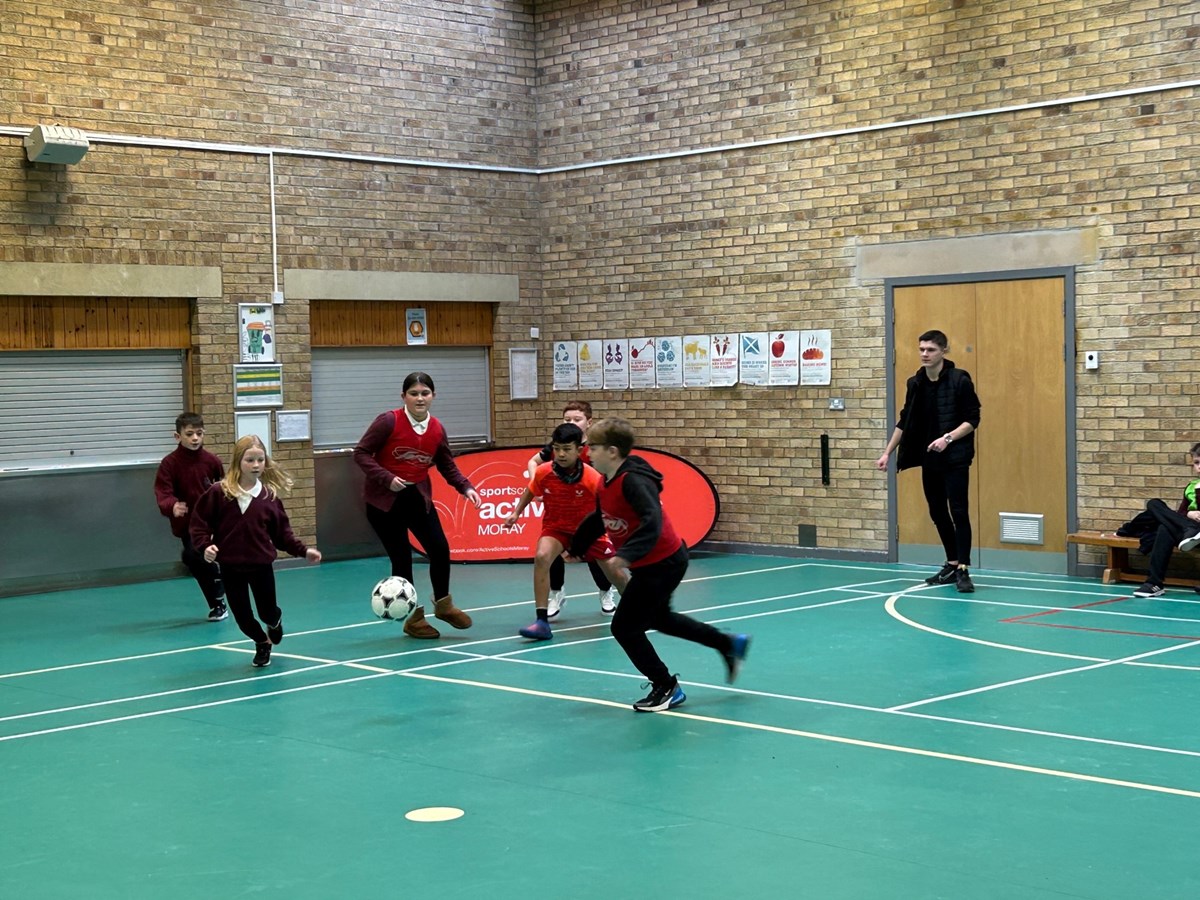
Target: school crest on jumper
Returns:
[[407, 454], [615, 526]]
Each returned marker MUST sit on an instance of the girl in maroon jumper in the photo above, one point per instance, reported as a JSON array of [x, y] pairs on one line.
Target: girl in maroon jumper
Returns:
[[241, 520], [396, 453]]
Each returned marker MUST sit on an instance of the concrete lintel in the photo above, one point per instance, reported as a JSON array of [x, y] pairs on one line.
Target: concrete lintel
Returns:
[[402, 287], [27, 279], [985, 253]]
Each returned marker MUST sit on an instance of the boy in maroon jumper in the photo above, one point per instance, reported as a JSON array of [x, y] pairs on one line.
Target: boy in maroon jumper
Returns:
[[241, 520], [630, 510], [184, 474]]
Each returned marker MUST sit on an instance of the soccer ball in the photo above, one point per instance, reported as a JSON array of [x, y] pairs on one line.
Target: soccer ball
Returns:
[[393, 598]]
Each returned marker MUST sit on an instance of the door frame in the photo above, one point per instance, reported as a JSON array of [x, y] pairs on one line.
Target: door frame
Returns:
[[1067, 274]]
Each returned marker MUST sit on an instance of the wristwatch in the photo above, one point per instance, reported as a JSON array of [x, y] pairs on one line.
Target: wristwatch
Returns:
[[948, 438]]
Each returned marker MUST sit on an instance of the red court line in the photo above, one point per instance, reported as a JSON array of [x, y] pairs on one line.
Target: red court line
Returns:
[[1054, 612], [1023, 620]]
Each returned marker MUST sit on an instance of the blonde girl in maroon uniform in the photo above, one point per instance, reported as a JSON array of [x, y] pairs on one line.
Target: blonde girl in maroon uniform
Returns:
[[240, 521], [396, 454], [630, 510]]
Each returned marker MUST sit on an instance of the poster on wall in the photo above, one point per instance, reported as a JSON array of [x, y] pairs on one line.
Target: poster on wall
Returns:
[[641, 363], [566, 366], [816, 357], [256, 332], [416, 328], [752, 365], [723, 360], [668, 363], [522, 373], [616, 364], [695, 360], [688, 496], [785, 359], [591, 365], [257, 386], [253, 423]]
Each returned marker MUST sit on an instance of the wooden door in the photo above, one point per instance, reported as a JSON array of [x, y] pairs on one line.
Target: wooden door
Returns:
[[1022, 441], [1010, 336]]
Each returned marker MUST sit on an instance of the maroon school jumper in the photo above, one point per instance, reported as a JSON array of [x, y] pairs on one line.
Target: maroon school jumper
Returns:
[[243, 538], [183, 476], [246, 543], [392, 448]]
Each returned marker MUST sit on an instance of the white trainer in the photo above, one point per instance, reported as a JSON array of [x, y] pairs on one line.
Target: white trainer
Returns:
[[1191, 542], [556, 603], [608, 601]]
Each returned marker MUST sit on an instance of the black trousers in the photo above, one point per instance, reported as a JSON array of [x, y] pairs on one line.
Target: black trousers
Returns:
[[240, 580], [407, 514], [947, 493], [1172, 528], [646, 604], [207, 574], [558, 574]]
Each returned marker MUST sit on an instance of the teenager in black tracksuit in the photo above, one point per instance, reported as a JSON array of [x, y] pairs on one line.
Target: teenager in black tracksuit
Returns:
[[936, 431]]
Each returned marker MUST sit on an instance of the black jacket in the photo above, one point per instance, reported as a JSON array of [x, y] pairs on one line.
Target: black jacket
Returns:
[[957, 403]]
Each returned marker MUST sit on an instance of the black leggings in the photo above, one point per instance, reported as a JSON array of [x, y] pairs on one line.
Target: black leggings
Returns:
[[407, 514], [207, 575], [646, 604], [240, 580], [558, 574], [947, 491]]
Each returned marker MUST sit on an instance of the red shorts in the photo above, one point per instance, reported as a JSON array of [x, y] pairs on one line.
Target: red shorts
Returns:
[[601, 549]]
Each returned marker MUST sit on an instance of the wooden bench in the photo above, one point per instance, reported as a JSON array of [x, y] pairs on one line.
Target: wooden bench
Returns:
[[1117, 566]]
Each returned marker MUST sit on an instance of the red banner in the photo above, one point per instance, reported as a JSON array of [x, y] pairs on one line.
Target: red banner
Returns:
[[478, 535]]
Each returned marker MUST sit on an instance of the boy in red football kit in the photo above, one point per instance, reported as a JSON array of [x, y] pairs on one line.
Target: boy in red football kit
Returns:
[[568, 488], [183, 476], [630, 510], [576, 412]]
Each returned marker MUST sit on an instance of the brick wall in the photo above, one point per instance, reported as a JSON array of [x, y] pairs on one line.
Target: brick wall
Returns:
[[443, 82], [759, 237]]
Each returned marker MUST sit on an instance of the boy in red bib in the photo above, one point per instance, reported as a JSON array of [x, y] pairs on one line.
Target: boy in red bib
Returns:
[[630, 511], [568, 487]]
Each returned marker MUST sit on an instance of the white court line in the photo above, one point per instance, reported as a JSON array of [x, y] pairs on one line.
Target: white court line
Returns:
[[831, 738], [419, 674], [1044, 675], [332, 628], [890, 608], [102, 662], [859, 707], [360, 662]]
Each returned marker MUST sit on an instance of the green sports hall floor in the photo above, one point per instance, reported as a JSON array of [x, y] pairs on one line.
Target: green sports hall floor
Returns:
[[1037, 739]]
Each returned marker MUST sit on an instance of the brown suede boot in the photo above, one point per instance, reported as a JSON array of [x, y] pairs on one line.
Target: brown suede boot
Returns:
[[416, 626], [445, 610]]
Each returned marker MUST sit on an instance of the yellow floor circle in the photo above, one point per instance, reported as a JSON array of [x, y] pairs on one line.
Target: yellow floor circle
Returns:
[[433, 814]]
